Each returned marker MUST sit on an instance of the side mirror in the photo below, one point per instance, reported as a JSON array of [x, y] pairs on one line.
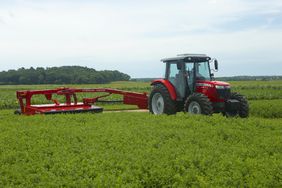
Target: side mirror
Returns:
[[216, 64]]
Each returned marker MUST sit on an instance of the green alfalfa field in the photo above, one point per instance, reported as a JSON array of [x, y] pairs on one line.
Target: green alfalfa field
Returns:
[[129, 149]]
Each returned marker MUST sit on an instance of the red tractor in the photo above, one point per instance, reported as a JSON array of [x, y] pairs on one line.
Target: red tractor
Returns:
[[189, 86]]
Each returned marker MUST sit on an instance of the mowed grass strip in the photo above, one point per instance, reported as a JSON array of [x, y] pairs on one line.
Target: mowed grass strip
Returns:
[[139, 149]]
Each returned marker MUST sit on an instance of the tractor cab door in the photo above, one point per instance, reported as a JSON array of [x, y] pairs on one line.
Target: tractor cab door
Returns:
[[189, 68], [176, 75]]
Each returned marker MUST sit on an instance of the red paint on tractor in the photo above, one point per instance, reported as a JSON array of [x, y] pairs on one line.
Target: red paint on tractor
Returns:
[[208, 88], [71, 103], [168, 85]]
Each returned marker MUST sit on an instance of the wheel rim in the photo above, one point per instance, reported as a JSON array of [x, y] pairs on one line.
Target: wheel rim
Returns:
[[194, 108], [158, 104]]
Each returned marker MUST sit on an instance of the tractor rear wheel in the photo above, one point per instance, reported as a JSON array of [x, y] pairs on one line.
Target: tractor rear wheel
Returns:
[[198, 103], [243, 110], [160, 101]]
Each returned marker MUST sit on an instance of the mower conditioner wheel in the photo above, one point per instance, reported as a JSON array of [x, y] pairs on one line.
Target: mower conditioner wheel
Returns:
[[160, 101], [243, 110], [18, 112], [198, 103]]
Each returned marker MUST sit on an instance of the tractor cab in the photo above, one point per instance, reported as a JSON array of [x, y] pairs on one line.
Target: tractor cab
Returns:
[[186, 71], [189, 86]]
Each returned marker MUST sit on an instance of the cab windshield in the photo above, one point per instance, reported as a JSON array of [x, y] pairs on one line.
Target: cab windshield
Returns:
[[202, 71]]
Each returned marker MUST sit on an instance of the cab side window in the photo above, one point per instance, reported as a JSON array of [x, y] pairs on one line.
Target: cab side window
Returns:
[[176, 77], [173, 71]]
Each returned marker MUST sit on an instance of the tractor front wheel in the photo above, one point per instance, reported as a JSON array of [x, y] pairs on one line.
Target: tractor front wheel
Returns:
[[243, 110], [198, 103], [160, 101]]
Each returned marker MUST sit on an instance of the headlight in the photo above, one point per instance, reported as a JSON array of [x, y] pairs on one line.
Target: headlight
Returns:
[[222, 87], [219, 87]]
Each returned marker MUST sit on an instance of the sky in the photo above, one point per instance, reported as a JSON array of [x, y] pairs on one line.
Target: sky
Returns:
[[132, 36]]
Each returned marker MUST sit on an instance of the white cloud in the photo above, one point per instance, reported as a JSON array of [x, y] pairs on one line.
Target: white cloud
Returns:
[[133, 36]]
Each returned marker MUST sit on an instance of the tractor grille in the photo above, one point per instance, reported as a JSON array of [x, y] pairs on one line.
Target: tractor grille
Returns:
[[223, 93]]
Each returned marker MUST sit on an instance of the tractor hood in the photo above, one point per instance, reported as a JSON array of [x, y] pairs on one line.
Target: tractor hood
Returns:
[[220, 83], [212, 83]]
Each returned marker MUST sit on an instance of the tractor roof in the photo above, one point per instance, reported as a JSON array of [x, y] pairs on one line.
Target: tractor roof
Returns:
[[188, 58]]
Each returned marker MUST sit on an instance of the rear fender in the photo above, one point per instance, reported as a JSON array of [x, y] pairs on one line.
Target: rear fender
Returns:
[[168, 85]]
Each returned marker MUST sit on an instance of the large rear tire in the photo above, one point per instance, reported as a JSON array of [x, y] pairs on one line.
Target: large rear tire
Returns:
[[160, 101], [243, 110], [198, 103]]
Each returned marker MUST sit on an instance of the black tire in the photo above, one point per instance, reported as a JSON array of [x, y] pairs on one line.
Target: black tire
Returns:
[[198, 103], [169, 106], [243, 110]]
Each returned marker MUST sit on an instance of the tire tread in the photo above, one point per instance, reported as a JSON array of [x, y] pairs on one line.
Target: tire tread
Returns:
[[244, 105], [169, 104], [206, 105]]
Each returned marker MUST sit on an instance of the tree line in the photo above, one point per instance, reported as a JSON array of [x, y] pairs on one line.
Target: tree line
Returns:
[[230, 78], [61, 75], [249, 78]]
